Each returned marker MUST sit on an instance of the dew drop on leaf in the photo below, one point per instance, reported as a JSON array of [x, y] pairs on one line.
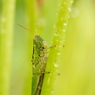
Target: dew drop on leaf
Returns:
[[69, 9], [55, 65], [55, 34], [64, 24], [63, 30], [58, 53]]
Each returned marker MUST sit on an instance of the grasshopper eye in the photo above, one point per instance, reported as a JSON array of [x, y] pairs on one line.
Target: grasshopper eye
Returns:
[[42, 48]]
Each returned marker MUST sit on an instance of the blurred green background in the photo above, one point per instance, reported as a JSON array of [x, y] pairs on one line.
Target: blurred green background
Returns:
[[77, 66]]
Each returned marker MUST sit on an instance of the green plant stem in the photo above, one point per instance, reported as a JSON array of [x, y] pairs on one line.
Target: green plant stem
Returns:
[[55, 53], [30, 7], [49, 11], [31, 17], [6, 35]]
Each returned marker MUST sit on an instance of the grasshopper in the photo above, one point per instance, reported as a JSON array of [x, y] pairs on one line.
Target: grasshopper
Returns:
[[39, 60]]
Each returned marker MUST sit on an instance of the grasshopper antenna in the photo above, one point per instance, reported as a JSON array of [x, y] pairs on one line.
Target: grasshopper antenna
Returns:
[[25, 28]]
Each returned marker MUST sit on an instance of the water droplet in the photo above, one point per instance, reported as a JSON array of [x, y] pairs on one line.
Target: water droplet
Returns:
[[55, 34], [69, 9], [72, 1], [57, 71], [63, 30], [64, 24], [58, 53], [55, 65], [61, 41]]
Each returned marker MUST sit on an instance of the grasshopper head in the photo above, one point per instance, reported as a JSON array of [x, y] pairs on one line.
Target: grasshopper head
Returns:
[[39, 43]]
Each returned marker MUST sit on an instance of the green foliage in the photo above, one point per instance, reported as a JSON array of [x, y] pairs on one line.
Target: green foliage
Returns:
[[6, 44], [48, 18], [58, 40]]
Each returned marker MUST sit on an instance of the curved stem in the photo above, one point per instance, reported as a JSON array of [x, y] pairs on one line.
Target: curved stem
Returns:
[[55, 53], [6, 35]]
